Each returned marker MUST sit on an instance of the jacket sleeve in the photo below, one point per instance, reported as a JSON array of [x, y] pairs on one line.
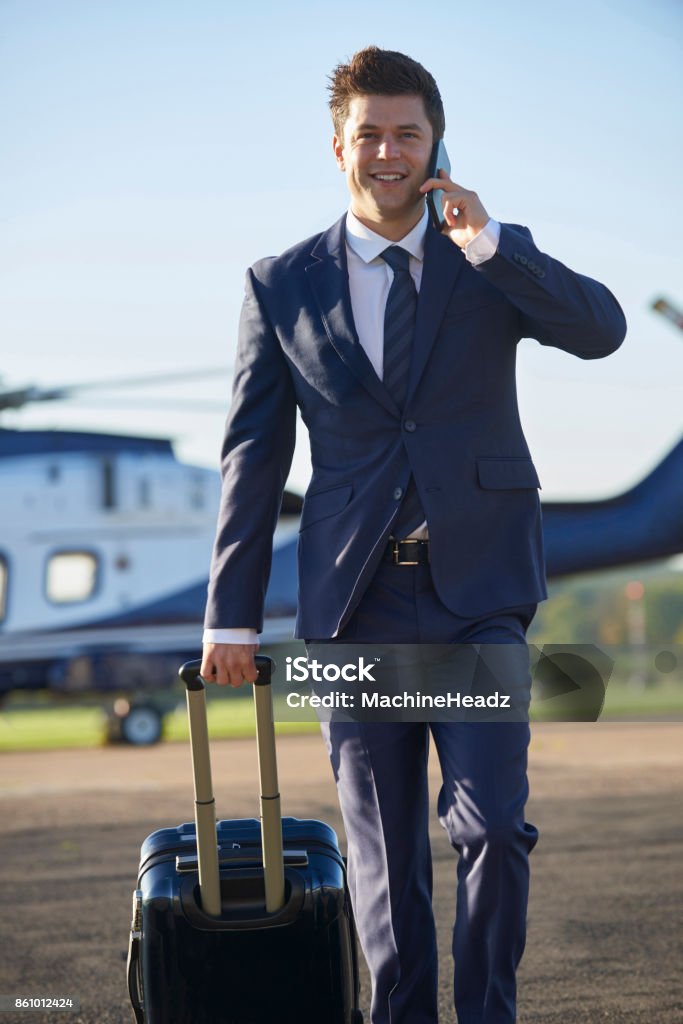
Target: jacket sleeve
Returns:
[[556, 305], [257, 454]]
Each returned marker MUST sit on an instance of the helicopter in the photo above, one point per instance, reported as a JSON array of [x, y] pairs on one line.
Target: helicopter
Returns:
[[104, 552], [107, 540]]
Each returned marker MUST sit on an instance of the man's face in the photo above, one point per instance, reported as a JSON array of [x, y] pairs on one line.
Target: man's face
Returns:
[[385, 154]]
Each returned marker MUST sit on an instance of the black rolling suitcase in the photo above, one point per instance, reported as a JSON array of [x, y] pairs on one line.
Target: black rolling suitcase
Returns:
[[242, 922]]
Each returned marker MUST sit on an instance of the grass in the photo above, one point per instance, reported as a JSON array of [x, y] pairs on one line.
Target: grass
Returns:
[[229, 718], [623, 701], [51, 728], [48, 726], [43, 726]]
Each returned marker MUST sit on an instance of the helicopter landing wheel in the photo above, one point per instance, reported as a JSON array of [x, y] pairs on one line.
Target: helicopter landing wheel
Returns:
[[140, 725]]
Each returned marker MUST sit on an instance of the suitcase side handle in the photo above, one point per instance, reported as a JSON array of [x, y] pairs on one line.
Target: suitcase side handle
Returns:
[[205, 805], [133, 966]]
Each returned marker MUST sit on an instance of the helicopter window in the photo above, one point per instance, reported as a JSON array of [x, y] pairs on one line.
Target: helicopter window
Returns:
[[71, 576], [108, 485], [3, 588], [144, 492], [197, 491]]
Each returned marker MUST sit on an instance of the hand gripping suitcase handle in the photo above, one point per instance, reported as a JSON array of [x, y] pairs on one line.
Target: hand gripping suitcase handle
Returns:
[[205, 806], [190, 673]]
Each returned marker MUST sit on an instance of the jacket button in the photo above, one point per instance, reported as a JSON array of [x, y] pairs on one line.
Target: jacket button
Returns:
[[410, 426], [398, 494], [523, 260]]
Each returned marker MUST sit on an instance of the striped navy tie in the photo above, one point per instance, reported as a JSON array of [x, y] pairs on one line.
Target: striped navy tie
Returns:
[[399, 331]]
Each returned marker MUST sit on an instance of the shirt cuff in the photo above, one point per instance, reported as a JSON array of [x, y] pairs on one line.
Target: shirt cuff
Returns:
[[483, 246], [230, 636]]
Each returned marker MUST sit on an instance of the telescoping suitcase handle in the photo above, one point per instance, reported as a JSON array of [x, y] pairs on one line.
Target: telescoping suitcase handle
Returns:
[[205, 805]]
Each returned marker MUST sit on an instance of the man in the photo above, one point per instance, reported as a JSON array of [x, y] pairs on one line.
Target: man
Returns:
[[421, 523]]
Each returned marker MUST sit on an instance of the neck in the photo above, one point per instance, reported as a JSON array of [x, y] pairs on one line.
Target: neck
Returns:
[[392, 230]]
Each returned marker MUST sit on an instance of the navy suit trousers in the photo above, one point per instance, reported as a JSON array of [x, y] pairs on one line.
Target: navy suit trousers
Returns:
[[381, 774]]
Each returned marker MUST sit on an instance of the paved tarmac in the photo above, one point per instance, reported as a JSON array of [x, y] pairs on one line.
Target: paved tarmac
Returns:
[[605, 933]]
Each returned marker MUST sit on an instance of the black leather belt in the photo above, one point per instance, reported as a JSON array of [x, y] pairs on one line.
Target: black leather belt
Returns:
[[407, 552]]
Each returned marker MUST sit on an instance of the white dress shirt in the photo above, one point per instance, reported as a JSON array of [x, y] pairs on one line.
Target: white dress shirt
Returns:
[[370, 279]]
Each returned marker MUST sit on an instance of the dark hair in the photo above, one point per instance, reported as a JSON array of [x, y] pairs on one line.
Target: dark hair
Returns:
[[375, 72]]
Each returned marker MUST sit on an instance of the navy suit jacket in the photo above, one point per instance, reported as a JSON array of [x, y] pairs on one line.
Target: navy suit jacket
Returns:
[[459, 433]]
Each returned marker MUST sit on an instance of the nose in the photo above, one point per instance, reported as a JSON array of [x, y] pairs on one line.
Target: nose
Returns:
[[389, 148]]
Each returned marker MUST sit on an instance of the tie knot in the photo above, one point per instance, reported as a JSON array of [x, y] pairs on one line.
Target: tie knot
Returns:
[[396, 257]]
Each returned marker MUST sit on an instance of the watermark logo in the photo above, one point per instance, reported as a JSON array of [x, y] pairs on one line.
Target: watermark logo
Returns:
[[481, 682], [304, 670]]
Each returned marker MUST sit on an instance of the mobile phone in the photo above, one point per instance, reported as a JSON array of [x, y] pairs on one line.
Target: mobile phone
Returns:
[[437, 161]]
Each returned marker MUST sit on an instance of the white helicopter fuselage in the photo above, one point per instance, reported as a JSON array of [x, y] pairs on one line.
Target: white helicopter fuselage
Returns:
[[143, 521], [105, 545]]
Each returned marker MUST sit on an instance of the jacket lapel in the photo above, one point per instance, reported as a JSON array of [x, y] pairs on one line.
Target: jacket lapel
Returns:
[[443, 262], [329, 280]]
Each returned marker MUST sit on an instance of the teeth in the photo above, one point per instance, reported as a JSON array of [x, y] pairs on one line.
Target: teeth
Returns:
[[388, 177]]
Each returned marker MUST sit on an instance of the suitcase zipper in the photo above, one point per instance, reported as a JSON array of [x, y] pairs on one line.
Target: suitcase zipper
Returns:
[[172, 853]]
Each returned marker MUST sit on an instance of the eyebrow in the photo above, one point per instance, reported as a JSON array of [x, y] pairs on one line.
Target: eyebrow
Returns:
[[402, 127]]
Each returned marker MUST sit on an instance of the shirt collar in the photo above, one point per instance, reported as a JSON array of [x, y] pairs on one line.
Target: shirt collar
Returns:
[[369, 245]]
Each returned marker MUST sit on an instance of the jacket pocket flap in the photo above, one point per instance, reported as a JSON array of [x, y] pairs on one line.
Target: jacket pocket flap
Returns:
[[466, 304], [504, 474], [321, 504]]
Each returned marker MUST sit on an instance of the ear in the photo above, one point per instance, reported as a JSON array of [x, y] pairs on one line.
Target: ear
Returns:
[[338, 147]]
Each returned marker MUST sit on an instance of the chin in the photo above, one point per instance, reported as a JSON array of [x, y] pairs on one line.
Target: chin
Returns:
[[397, 211]]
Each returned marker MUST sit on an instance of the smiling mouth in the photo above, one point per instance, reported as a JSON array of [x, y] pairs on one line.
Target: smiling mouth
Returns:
[[388, 177]]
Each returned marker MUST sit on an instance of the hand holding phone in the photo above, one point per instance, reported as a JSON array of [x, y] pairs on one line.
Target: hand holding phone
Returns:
[[464, 215], [437, 161]]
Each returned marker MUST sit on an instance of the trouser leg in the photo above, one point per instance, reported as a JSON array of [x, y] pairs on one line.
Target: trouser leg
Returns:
[[481, 806], [381, 774], [382, 783]]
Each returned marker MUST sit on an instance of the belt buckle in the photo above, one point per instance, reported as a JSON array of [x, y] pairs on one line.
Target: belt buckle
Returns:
[[403, 561]]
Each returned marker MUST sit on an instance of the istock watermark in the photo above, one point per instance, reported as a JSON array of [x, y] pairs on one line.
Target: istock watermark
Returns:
[[304, 670], [479, 682], [407, 682]]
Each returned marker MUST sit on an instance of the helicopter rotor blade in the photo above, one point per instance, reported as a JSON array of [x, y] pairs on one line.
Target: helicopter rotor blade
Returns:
[[153, 403], [19, 397], [668, 310], [157, 378]]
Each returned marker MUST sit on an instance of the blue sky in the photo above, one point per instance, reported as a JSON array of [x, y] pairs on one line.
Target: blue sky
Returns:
[[152, 150]]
